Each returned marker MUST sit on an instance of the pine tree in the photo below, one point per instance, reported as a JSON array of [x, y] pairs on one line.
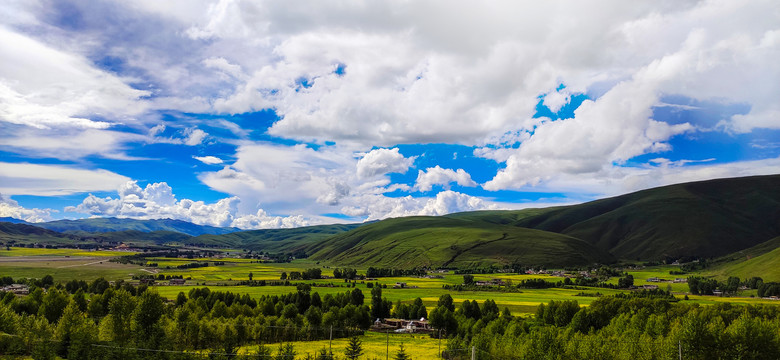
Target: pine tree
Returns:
[[401, 354], [354, 348]]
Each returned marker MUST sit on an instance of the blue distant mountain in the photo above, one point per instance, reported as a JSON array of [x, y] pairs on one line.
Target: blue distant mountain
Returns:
[[95, 225], [12, 220]]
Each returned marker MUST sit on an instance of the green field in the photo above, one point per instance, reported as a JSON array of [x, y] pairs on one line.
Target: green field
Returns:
[[68, 264], [64, 264], [21, 251]]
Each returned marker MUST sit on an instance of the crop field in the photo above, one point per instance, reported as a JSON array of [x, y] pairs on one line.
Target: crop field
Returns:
[[21, 251], [64, 264], [375, 346], [68, 264]]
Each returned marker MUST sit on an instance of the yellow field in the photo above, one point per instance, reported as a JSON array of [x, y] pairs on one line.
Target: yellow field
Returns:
[[375, 345]]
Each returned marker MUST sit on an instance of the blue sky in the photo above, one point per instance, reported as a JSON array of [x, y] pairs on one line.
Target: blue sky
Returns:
[[258, 115]]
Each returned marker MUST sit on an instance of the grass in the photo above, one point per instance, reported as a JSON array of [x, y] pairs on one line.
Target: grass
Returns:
[[766, 266], [706, 218], [453, 241], [22, 251], [375, 345], [64, 264]]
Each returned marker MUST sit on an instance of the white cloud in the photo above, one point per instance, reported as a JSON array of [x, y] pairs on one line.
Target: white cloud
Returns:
[[157, 201], [194, 136], [376, 207], [210, 160], [439, 176], [449, 201], [44, 87], [555, 100], [54, 180], [383, 161], [11, 208], [68, 144]]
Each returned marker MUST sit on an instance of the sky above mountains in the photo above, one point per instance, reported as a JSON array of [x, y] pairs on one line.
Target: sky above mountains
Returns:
[[277, 114]]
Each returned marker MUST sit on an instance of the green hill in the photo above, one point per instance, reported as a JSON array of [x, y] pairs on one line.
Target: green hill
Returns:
[[707, 218], [274, 240], [762, 260], [29, 234], [456, 241]]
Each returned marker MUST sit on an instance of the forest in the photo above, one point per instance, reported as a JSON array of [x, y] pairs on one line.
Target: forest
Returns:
[[100, 320]]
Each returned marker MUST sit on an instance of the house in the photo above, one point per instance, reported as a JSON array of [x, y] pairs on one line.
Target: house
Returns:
[[176, 282], [717, 292], [404, 326], [17, 289], [653, 279], [650, 287], [399, 285], [680, 280]]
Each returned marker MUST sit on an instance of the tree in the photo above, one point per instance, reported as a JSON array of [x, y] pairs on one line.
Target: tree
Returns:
[[250, 276], [401, 354], [468, 279], [145, 320], [54, 302], [117, 323], [286, 352], [75, 333], [354, 348], [283, 276], [356, 297], [626, 282], [446, 301]]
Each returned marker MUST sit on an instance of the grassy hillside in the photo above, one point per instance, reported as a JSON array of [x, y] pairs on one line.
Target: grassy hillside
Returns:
[[95, 225], [136, 237], [274, 240], [762, 260], [453, 241], [708, 218], [27, 234]]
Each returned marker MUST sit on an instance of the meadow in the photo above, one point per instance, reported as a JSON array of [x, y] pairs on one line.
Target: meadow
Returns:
[[68, 264]]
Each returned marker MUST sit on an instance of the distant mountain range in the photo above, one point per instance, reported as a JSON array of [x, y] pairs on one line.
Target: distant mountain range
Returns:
[[94, 225], [702, 219]]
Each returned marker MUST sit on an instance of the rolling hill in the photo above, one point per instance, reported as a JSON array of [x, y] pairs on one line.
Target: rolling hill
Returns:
[[95, 225], [26, 234], [455, 242], [762, 260], [707, 218], [274, 240]]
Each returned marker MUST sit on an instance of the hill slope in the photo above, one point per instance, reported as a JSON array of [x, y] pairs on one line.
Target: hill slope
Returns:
[[762, 260], [707, 218], [451, 241], [274, 240], [95, 225], [23, 233]]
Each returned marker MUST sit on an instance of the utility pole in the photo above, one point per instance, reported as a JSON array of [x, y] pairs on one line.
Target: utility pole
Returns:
[[679, 348], [330, 340], [439, 343], [387, 355], [473, 353]]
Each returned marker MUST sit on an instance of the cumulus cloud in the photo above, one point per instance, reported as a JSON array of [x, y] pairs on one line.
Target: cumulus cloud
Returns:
[[54, 180], [383, 161], [11, 208], [157, 201], [194, 136], [439, 176], [210, 160], [375, 207]]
